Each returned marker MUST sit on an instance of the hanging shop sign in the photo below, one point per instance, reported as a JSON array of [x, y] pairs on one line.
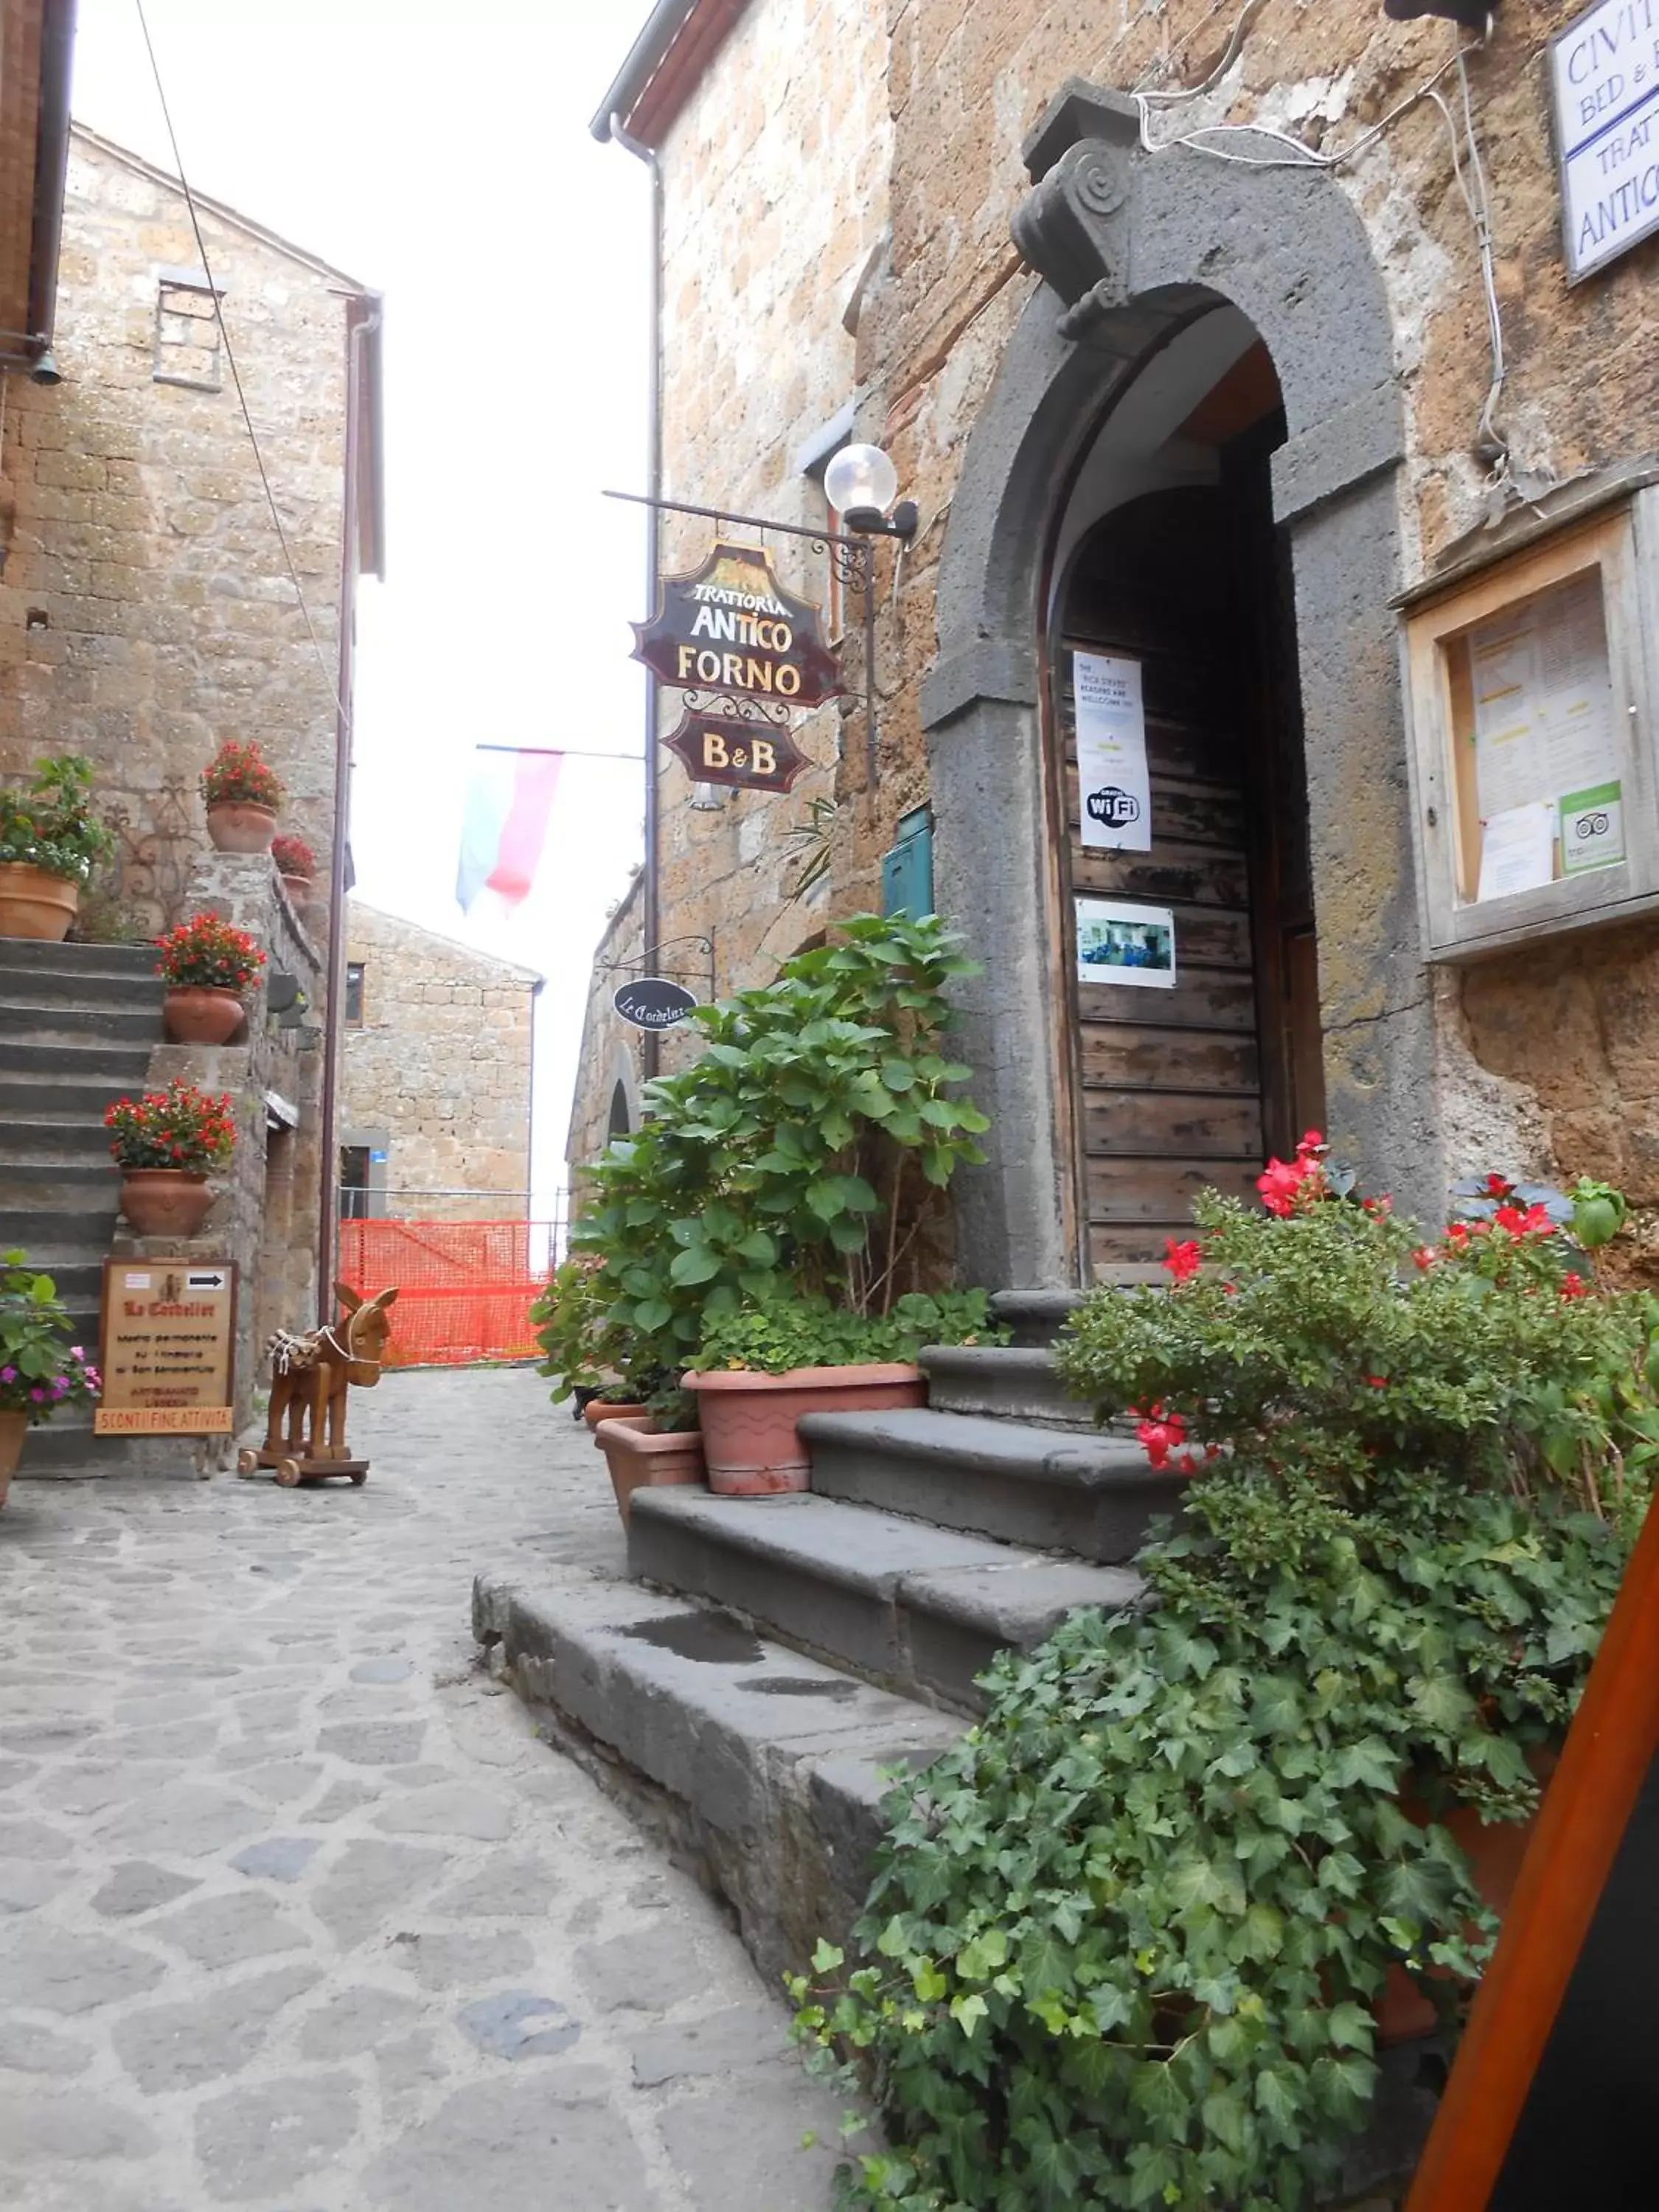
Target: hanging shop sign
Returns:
[[749, 756], [166, 1333], [652, 1002], [1604, 73], [730, 626]]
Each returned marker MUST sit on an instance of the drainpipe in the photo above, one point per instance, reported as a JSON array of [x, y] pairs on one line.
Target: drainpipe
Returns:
[[362, 316], [52, 149], [650, 1043]]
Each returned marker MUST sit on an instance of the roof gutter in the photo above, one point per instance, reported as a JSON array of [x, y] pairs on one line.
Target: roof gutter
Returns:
[[645, 57]]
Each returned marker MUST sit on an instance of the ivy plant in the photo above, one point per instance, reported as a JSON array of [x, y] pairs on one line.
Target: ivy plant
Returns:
[[1125, 1940], [803, 1154]]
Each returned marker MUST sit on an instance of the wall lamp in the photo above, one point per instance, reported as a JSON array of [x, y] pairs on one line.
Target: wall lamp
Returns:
[[861, 484]]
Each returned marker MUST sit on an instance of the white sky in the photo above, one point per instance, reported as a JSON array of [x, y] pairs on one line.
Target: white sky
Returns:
[[440, 154]]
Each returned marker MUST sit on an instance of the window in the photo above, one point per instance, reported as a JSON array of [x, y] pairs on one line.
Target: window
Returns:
[[354, 1182], [187, 336], [354, 994]]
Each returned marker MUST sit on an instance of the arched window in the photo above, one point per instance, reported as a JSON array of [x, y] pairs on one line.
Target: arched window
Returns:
[[618, 1124]]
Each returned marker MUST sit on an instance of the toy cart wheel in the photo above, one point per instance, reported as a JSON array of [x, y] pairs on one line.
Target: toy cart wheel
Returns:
[[359, 1477], [248, 1462], [287, 1472]]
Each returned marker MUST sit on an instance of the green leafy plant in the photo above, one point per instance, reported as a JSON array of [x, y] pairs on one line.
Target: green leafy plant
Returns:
[[49, 823], [207, 954], [582, 1348], [810, 1332], [41, 1370], [1126, 1940], [239, 774], [179, 1128], [803, 1154]]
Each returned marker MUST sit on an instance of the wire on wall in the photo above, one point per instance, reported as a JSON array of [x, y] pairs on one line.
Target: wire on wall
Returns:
[[235, 373]]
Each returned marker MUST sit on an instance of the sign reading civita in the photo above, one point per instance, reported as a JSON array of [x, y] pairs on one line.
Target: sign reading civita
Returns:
[[1604, 72], [730, 626]]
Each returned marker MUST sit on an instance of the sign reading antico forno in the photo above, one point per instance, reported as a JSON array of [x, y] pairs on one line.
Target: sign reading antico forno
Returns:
[[1604, 71], [168, 1327], [731, 627]]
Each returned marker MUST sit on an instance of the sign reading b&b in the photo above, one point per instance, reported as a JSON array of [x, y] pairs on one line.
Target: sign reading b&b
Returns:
[[730, 626]]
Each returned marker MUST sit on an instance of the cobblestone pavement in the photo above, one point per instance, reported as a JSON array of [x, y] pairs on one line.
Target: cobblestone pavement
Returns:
[[297, 1914]]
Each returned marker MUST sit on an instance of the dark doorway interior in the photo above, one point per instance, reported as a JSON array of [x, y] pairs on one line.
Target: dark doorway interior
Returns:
[[1194, 1085], [354, 1182]]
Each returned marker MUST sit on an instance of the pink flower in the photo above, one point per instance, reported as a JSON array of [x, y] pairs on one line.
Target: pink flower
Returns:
[[76, 1352], [1279, 1184], [1183, 1259], [38, 1394], [8, 1374]]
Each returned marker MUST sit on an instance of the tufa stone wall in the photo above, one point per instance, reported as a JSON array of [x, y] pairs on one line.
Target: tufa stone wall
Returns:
[[146, 612], [438, 1072], [609, 1060]]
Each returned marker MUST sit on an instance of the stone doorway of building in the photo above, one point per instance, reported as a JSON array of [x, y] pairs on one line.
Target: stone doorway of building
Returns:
[[1167, 557]]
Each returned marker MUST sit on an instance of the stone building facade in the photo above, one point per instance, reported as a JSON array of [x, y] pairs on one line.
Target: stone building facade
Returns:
[[1177, 321], [439, 1058]]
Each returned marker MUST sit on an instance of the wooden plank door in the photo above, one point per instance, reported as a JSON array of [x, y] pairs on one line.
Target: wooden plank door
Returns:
[[1171, 1081]]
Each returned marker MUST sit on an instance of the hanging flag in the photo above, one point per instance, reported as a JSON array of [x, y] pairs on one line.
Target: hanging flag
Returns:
[[502, 832]]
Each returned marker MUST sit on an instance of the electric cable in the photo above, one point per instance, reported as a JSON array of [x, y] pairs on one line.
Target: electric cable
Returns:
[[235, 373]]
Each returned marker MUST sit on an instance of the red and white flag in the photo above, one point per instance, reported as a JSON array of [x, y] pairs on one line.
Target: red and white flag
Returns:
[[505, 826]]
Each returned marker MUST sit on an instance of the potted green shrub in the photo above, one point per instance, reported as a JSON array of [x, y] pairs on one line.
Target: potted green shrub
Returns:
[[49, 840], [296, 864], [41, 1370], [243, 797], [165, 1144], [1128, 1942], [207, 966], [804, 1156]]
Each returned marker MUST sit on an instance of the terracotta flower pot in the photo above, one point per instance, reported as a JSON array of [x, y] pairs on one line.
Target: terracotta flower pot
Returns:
[[749, 1434], [165, 1201], [299, 889], [197, 1013], [34, 903], [611, 1409], [14, 1427], [641, 1457], [237, 825]]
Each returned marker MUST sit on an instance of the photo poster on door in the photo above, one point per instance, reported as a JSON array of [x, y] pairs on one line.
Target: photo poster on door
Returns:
[[1549, 2101], [1548, 778], [1115, 793], [1122, 943]]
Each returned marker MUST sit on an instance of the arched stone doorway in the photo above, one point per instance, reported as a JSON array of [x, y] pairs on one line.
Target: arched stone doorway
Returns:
[[1137, 249]]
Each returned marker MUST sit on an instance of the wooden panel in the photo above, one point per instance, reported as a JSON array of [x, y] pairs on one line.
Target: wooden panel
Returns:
[[1131, 1244], [1170, 875], [1198, 1123], [1200, 999], [1161, 1189], [1117, 1057]]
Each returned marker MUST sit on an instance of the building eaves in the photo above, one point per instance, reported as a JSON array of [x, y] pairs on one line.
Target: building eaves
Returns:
[[531, 976], [664, 67]]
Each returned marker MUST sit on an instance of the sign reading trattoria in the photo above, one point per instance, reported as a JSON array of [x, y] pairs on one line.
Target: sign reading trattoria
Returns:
[[1604, 72], [748, 756], [731, 627]]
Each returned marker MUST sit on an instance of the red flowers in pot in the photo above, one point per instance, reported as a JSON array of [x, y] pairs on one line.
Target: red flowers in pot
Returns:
[[296, 864], [243, 794], [165, 1144], [207, 964]]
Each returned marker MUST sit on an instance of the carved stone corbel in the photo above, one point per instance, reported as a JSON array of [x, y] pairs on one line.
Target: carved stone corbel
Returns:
[[1073, 228]]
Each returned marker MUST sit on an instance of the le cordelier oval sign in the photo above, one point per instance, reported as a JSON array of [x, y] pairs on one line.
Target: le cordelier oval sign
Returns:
[[731, 627], [652, 1002]]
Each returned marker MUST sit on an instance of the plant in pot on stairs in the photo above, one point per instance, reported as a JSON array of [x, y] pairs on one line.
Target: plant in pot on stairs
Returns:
[[207, 965], [1136, 1940], [243, 797], [788, 1186], [166, 1144], [41, 1370], [49, 841]]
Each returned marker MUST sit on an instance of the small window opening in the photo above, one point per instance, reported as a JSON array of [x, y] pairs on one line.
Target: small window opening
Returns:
[[187, 336], [354, 994], [354, 1182]]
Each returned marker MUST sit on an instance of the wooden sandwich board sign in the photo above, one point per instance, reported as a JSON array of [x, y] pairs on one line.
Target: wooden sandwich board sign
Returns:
[[166, 1335], [1551, 2097]]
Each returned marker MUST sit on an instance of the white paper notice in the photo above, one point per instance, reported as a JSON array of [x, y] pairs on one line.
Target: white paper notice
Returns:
[[1517, 850], [1114, 789], [1543, 700], [1120, 943]]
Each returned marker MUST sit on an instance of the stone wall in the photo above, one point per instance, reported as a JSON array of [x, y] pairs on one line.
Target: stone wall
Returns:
[[146, 609], [437, 1074], [609, 1049]]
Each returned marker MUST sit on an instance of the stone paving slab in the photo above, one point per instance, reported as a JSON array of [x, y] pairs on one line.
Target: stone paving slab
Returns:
[[297, 1912]]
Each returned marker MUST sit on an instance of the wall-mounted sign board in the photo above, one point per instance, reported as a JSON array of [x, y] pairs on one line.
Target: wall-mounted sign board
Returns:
[[1549, 2101], [747, 756], [652, 1002], [1604, 74], [166, 1335], [730, 626], [1120, 943], [1114, 794]]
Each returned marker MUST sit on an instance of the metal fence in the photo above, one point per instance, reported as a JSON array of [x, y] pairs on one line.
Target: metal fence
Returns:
[[465, 1288]]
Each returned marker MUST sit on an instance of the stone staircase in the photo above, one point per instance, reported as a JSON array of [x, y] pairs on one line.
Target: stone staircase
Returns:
[[772, 1656], [78, 1025]]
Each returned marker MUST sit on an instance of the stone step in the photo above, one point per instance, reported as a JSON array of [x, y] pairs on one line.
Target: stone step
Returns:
[[1093, 1496], [36, 1143], [124, 1064], [910, 1607], [65, 1448], [1036, 1317], [66, 1098], [68, 1185], [80, 1235], [62, 1023], [768, 1765], [42, 987], [1009, 1382], [137, 961]]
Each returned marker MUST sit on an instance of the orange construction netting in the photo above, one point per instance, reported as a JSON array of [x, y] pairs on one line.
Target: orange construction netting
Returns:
[[465, 1288]]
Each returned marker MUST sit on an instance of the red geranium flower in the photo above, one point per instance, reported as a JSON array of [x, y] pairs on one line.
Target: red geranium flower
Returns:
[[1573, 1284], [1180, 1259]]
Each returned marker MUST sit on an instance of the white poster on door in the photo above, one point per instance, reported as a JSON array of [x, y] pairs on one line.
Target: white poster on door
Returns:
[[1113, 791]]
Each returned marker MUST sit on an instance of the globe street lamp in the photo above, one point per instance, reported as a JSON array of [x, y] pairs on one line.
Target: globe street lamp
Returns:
[[861, 485]]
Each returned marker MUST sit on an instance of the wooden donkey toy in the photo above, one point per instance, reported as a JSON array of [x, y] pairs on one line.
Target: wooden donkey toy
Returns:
[[305, 1435]]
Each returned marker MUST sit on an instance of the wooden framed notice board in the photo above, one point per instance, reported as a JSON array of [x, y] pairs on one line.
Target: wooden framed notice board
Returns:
[[1531, 689], [166, 1348]]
